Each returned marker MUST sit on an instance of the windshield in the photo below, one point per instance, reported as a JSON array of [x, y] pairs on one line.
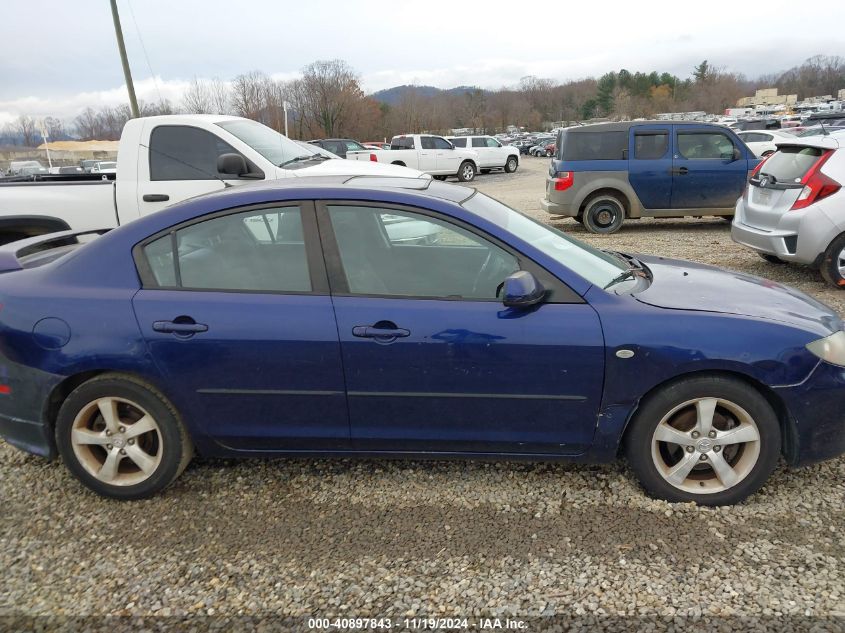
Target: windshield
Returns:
[[595, 266], [273, 146]]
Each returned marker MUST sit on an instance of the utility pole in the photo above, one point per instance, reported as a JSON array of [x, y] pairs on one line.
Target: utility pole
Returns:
[[127, 74]]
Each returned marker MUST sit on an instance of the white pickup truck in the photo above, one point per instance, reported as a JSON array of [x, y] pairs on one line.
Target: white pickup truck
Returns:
[[430, 154], [163, 160]]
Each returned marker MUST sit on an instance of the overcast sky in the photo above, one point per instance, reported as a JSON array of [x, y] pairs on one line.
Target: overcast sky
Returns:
[[57, 57]]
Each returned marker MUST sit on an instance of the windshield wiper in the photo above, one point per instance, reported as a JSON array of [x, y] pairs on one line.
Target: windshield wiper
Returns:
[[299, 159], [624, 276]]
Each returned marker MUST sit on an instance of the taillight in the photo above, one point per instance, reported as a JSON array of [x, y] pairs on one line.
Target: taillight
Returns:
[[563, 180], [373, 158], [816, 184], [757, 168]]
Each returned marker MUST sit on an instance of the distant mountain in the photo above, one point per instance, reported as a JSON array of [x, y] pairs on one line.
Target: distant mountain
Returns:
[[393, 96]]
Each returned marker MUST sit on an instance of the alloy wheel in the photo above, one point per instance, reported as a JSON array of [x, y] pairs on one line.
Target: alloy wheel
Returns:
[[706, 445]]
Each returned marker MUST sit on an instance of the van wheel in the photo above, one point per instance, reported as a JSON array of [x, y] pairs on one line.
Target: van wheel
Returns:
[[512, 165], [833, 263], [604, 214], [467, 172]]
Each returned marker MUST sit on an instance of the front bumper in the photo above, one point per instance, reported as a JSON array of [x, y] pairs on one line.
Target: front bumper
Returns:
[[817, 411]]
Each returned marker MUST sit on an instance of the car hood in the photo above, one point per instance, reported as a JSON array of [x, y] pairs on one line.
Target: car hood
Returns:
[[342, 167], [683, 285]]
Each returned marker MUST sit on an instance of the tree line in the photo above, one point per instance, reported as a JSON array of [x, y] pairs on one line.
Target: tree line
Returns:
[[328, 101]]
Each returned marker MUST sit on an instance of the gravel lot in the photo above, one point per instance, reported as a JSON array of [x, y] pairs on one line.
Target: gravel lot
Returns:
[[365, 538]]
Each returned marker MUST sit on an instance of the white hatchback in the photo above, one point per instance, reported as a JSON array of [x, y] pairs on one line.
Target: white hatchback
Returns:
[[764, 142], [793, 208]]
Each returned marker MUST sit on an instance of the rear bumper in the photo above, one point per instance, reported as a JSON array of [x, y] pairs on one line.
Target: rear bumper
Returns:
[[817, 409], [23, 422], [796, 236]]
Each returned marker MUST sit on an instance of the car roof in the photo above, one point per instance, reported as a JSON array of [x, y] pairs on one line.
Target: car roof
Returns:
[[426, 186], [624, 126]]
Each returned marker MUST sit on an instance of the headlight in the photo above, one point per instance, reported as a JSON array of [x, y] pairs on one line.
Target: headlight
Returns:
[[830, 348]]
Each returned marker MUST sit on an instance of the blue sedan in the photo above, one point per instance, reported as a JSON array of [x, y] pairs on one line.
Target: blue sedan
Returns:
[[401, 317]]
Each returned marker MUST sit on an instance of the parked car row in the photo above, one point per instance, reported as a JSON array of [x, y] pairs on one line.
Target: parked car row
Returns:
[[24, 168]]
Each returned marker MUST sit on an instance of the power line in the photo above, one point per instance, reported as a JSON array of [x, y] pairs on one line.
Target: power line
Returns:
[[144, 49]]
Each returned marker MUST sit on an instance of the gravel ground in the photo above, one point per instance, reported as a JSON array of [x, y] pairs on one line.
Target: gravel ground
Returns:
[[393, 539]]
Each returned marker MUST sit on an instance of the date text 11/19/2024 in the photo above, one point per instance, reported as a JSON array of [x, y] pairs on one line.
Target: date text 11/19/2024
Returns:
[[421, 624]]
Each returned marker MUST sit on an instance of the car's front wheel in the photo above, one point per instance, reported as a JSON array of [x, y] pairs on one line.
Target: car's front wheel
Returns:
[[121, 437], [832, 265], [512, 165], [709, 439]]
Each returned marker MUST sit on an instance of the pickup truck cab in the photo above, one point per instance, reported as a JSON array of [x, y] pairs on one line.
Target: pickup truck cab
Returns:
[[604, 173], [491, 153], [428, 153], [162, 160]]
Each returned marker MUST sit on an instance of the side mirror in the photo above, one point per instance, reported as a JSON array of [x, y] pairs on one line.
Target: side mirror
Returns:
[[522, 289], [232, 164]]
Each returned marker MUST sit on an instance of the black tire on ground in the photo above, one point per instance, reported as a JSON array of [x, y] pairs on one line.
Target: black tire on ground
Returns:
[[466, 172], [548, 154], [512, 165], [772, 259], [639, 439], [603, 213], [169, 444], [829, 266]]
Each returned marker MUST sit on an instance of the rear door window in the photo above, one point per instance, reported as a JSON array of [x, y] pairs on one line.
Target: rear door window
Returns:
[[650, 145], [459, 142], [478, 142]]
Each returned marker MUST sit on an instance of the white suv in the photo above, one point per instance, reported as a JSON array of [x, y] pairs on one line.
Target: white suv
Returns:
[[491, 153], [793, 209]]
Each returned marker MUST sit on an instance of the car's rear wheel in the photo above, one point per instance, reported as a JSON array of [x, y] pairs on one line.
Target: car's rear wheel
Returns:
[[121, 437], [603, 214], [832, 265], [466, 173], [708, 439], [512, 165]]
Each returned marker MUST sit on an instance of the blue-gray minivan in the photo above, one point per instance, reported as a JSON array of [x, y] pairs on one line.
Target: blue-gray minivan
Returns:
[[606, 172]]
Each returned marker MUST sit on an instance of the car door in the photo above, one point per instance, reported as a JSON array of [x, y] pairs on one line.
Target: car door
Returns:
[[179, 163], [650, 165], [433, 360], [708, 169], [241, 326], [497, 154], [479, 145], [448, 159], [427, 154]]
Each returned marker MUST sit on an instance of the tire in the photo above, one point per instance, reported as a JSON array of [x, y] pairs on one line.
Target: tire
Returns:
[[832, 266], [512, 165], [466, 172], [603, 214], [772, 259], [679, 411], [548, 154], [122, 464]]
